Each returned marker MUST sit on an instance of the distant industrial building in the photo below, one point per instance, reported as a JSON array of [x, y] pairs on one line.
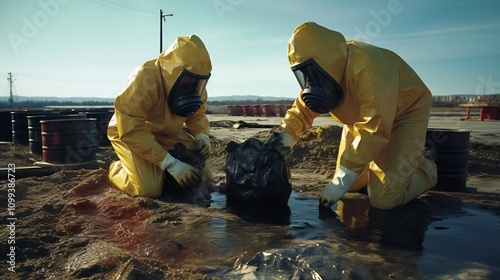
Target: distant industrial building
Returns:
[[488, 105]]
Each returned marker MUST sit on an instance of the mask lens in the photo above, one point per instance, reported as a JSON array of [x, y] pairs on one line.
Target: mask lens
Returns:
[[300, 78], [320, 92], [189, 84], [185, 96], [310, 75]]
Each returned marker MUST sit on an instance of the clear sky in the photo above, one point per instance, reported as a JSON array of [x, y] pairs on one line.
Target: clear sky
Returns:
[[88, 48]]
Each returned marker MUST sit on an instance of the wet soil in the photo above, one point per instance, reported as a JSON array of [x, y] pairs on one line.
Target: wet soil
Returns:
[[75, 224]]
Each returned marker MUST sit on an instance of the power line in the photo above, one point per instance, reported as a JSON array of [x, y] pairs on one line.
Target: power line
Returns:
[[126, 8], [121, 5], [14, 93], [135, 11], [130, 6]]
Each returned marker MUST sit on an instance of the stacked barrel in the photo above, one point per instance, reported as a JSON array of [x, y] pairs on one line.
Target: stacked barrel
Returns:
[[268, 110], [69, 136]]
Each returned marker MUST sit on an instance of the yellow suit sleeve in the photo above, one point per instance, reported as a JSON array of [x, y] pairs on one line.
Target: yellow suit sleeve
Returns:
[[131, 107], [298, 118]]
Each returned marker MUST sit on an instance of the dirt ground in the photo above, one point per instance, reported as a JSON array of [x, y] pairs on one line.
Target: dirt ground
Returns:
[[54, 240]]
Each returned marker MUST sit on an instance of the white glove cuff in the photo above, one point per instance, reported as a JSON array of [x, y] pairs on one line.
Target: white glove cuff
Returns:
[[287, 140], [344, 178], [201, 136], [167, 162]]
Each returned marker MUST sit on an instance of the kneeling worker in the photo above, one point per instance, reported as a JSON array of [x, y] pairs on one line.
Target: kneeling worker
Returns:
[[383, 105], [162, 103]]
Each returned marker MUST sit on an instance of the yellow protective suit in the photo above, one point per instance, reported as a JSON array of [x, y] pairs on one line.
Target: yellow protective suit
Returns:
[[143, 129], [385, 112]]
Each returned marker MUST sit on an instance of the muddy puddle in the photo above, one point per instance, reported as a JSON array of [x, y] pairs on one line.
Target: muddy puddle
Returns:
[[426, 239], [423, 239]]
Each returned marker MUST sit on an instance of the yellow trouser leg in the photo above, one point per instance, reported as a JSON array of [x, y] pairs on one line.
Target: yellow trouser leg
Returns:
[[138, 177], [401, 173]]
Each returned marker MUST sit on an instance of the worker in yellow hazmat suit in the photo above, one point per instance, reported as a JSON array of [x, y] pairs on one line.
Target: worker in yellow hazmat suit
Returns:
[[162, 103], [383, 105]]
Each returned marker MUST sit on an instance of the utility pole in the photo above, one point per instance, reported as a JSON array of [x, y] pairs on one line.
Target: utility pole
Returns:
[[11, 99], [162, 18]]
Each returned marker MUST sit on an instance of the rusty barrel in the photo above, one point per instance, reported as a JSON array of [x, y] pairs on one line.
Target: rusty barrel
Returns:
[[248, 110], [281, 110], [452, 146], [238, 110], [19, 120], [35, 132], [259, 111], [269, 110], [230, 110], [102, 122], [5, 126], [69, 141]]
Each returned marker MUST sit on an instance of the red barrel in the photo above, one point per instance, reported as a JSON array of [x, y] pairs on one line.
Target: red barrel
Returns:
[[281, 110], [248, 110], [238, 110], [35, 132], [230, 110], [69, 141], [259, 111], [269, 110]]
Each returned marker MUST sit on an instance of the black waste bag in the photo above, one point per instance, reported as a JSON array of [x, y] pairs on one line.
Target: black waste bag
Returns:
[[256, 173], [199, 192]]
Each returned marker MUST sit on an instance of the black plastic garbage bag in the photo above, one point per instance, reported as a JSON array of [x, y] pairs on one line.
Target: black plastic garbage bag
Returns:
[[256, 173], [199, 191]]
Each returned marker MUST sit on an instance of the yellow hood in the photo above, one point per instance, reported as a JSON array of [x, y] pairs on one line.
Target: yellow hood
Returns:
[[327, 47], [185, 53]]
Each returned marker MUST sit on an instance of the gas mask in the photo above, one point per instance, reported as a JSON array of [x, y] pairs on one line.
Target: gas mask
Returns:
[[185, 96], [320, 92]]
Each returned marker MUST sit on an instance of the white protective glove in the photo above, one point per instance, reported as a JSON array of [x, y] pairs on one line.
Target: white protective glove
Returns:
[[340, 184], [185, 174], [204, 147], [286, 143]]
